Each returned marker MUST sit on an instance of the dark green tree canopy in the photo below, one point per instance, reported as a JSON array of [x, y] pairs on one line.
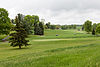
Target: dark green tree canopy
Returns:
[[93, 32], [18, 38], [48, 25], [41, 28], [52, 27]]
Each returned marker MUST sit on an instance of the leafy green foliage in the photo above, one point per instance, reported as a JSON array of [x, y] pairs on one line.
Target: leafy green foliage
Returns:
[[28, 24], [94, 26], [88, 26], [65, 27], [98, 29], [52, 27], [5, 24], [36, 26], [18, 38]]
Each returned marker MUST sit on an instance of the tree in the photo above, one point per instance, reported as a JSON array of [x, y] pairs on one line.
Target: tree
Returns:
[[74, 26], [48, 25], [93, 32], [88, 26], [98, 29], [41, 28], [94, 26], [28, 23], [82, 27], [38, 26], [36, 21], [18, 37], [53, 27], [45, 26], [64, 27], [57, 26], [70, 26], [5, 24]]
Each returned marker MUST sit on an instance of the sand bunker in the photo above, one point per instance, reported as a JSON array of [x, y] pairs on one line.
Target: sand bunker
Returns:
[[52, 39]]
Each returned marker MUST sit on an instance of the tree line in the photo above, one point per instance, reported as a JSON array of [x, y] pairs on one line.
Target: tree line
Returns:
[[63, 27], [24, 25], [89, 27]]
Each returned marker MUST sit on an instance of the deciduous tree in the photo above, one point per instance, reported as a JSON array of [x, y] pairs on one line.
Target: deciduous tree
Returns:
[[88, 26], [5, 24]]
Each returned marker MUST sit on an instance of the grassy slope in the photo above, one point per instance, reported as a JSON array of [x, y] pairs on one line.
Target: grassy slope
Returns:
[[81, 50]]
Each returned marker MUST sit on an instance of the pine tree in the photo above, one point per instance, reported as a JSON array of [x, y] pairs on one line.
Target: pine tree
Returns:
[[18, 38], [41, 28], [83, 28], [38, 30], [93, 32], [48, 25], [38, 26]]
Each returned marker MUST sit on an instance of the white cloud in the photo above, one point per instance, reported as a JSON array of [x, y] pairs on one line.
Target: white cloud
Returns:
[[56, 11]]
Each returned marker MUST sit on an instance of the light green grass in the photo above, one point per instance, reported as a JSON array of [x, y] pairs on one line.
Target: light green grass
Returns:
[[71, 48]]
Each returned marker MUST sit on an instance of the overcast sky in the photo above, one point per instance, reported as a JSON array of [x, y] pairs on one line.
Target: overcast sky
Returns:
[[56, 11]]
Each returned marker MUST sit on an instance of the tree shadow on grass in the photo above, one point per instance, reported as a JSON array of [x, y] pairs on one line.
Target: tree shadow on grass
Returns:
[[23, 48]]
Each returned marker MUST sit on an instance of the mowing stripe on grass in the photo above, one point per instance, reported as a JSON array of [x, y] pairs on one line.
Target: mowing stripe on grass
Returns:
[[52, 39]]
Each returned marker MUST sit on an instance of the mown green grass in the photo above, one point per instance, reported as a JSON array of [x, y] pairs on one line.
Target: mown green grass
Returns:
[[71, 49], [62, 34]]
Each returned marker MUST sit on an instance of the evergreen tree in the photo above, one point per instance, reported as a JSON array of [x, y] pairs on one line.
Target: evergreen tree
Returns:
[[38, 29], [93, 32], [18, 38], [38, 26], [82, 27], [48, 25], [12, 21], [41, 28]]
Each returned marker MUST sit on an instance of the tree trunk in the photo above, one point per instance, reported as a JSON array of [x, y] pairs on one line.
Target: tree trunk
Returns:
[[19, 46]]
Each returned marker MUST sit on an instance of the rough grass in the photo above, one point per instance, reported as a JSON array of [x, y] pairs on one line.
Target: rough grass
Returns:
[[65, 50]]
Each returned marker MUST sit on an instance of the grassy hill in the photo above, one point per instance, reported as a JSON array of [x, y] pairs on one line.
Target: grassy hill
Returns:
[[71, 48]]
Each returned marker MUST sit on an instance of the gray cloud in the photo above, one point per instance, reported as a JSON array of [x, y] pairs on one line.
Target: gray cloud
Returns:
[[56, 11]]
